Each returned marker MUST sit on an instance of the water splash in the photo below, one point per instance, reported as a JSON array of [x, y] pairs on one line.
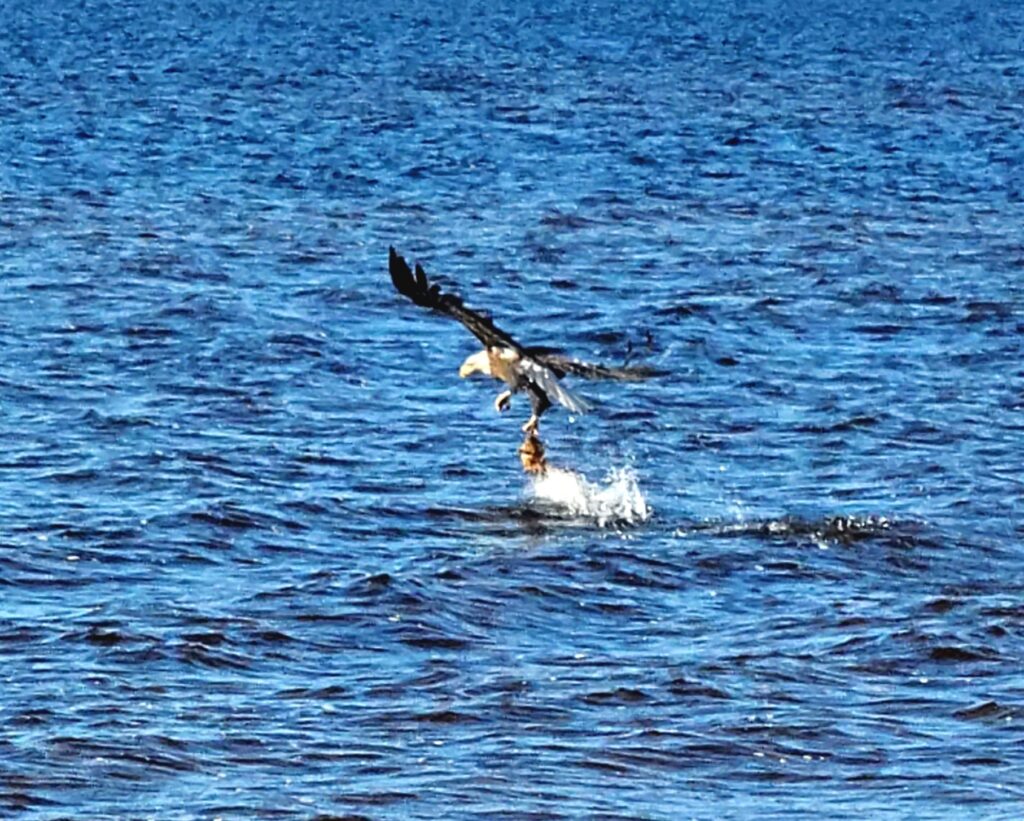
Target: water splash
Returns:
[[616, 500]]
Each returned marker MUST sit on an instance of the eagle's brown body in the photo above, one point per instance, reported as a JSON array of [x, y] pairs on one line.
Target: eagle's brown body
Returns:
[[512, 368]]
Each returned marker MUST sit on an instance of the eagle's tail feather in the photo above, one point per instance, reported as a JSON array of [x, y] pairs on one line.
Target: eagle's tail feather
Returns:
[[547, 381], [572, 402]]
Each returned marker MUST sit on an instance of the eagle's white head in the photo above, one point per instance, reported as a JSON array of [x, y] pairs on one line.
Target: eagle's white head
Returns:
[[479, 362]]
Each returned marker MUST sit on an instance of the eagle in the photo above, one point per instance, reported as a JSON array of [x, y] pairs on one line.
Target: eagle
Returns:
[[533, 370]]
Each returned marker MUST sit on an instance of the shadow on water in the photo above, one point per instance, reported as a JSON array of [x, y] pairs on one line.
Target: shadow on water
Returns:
[[842, 530], [539, 514]]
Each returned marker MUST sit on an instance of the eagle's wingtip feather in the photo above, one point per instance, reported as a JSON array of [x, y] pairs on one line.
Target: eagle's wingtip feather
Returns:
[[413, 286]]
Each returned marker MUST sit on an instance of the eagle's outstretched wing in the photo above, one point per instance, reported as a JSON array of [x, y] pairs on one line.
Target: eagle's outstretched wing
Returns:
[[562, 365], [417, 288]]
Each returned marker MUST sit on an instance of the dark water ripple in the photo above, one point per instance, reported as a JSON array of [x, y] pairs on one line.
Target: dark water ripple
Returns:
[[263, 555]]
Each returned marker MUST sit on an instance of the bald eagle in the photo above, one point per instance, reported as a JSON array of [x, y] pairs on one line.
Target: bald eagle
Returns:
[[535, 370]]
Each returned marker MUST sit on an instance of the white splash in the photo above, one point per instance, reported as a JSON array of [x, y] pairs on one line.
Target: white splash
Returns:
[[617, 499]]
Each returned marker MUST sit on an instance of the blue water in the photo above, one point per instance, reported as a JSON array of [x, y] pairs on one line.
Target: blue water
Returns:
[[264, 555]]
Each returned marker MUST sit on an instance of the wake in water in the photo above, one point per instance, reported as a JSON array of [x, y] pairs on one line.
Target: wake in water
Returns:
[[617, 500]]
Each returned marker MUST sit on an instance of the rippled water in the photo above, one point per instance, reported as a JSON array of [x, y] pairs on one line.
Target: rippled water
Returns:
[[264, 555]]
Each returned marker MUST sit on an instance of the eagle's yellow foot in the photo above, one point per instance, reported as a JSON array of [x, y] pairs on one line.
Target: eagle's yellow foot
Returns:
[[531, 426], [503, 400]]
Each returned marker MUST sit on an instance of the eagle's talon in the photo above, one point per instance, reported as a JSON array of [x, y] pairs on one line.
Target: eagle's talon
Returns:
[[503, 400], [531, 426]]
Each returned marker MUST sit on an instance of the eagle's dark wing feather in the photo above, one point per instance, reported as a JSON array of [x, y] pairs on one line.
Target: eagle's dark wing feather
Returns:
[[418, 288], [562, 365]]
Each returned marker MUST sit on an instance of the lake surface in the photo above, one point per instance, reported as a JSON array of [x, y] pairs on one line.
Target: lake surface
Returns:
[[264, 555]]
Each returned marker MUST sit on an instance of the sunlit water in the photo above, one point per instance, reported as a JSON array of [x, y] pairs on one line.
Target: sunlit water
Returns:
[[264, 555]]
